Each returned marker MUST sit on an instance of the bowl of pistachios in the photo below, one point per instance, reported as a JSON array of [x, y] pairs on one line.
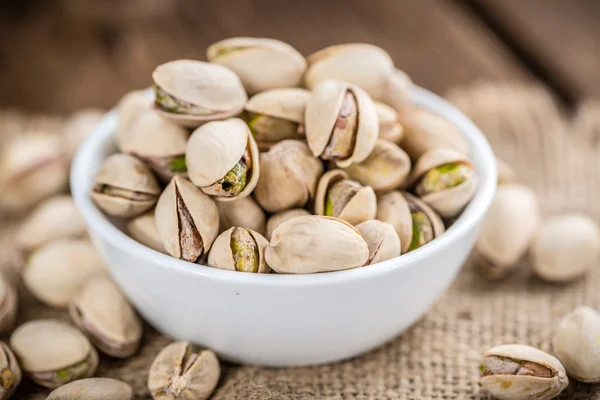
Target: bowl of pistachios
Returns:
[[284, 210]]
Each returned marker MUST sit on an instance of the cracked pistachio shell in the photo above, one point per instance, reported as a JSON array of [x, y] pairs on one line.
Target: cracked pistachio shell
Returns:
[[314, 243], [32, 168], [215, 91], [54, 218], [93, 389], [360, 201], [104, 315], [222, 254], [244, 212], [390, 128], [363, 65], [506, 173], [130, 107], [447, 202], [77, 128], [137, 187], [289, 175], [10, 372], [181, 372], [576, 344], [398, 94], [55, 271], [215, 148], [395, 208], [261, 63], [203, 218], [143, 229], [518, 372], [565, 247], [507, 228], [425, 130], [382, 240], [8, 304], [386, 168], [321, 116], [69, 357], [283, 216]]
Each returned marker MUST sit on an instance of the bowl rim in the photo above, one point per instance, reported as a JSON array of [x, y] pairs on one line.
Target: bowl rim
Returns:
[[473, 213]]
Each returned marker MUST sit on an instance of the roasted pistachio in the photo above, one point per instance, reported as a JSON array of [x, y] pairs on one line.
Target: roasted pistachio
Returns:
[[77, 128], [10, 372], [341, 123], [565, 247], [8, 305], [281, 217], [276, 115], [390, 128], [243, 212], [222, 159], [124, 187], [576, 344], [130, 107], [93, 389], [506, 174], [187, 220], [192, 92], [56, 270], [289, 176], [180, 371], [398, 92], [517, 372], [313, 243], [341, 197], [382, 240], [143, 229], [386, 168], [261, 63], [239, 249], [69, 357]]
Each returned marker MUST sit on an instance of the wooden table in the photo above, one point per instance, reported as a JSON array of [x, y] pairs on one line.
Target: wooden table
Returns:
[[57, 56]]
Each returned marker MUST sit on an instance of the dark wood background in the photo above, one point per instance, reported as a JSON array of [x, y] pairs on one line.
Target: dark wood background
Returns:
[[61, 55]]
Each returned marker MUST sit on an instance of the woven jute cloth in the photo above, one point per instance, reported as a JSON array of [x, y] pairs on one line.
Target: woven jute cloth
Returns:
[[556, 153]]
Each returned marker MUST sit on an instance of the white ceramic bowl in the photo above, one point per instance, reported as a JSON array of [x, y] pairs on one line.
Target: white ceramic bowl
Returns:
[[284, 320]]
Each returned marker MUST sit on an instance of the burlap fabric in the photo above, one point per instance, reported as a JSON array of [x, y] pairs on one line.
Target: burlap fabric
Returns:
[[558, 155]]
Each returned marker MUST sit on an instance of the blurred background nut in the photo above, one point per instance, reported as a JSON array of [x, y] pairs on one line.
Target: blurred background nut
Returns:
[[10, 372], [77, 128], [382, 240], [244, 213], [565, 247], [124, 187], [93, 389], [283, 216], [143, 229], [506, 173], [8, 305], [53, 353], [576, 344], [390, 128], [239, 249], [130, 107], [104, 315], [261, 63], [289, 175], [181, 371], [398, 93], [56, 270]]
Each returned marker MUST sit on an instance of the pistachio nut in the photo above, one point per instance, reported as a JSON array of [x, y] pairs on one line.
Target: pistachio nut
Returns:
[[382, 239], [53, 353], [156, 141], [104, 315], [243, 212], [518, 372], [124, 187], [181, 371], [8, 305], [130, 107], [314, 243], [398, 93], [222, 159], [341, 197], [261, 63], [507, 229], [93, 389], [289, 175], [187, 220], [283, 216], [506, 173], [390, 128], [10, 372], [192, 92], [565, 247], [340, 123], [575, 344], [77, 128], [239, 249], [32, 168], [363, 65], [143, 229], [276, 115], [415, 223], [425, 130], [444, 179], [56, 270], [386, 168]]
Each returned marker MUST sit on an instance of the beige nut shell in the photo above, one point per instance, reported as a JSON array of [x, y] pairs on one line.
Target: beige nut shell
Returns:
[[221, 256], [286, 103], [283, 216], [243, 213], [382, 239], [8, 362], [143, 229], [398, 93], [390, 128], [130, 107], [93, 389], [8, 305]]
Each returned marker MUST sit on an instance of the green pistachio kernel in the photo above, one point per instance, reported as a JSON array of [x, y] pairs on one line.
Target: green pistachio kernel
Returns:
[[228, 50], [265, 128], [178, 165], [422, 230], [173, 105], [232, 183], [245, 250], [339, 195], [445, 176], [7, 378]]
